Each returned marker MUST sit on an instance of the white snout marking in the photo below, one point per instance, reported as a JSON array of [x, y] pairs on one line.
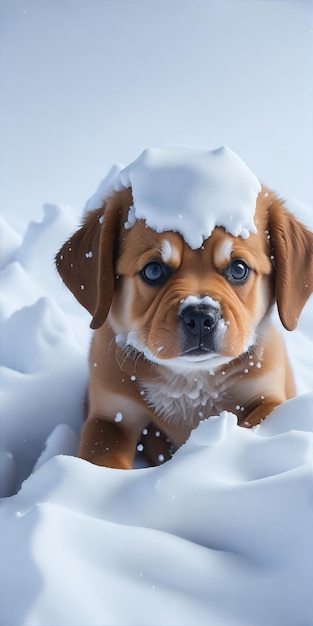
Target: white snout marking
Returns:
[[196, 301]]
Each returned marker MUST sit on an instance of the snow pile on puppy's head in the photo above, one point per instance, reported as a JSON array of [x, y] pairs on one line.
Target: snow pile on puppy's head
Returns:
[[191, 191]]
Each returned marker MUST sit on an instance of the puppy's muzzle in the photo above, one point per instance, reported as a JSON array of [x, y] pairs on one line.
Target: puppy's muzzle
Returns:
[[198, 323]]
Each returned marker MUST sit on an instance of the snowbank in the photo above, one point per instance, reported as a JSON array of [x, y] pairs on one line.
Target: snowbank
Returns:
[[44, 346], [221, 534]]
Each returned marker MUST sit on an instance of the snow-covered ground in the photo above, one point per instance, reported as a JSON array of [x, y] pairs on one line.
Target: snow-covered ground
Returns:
[[223, 533]]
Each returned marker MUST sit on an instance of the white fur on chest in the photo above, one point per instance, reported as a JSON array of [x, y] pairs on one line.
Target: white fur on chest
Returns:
[[190, 398]]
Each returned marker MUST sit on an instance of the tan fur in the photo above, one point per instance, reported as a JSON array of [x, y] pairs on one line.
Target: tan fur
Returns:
[[136, 372]]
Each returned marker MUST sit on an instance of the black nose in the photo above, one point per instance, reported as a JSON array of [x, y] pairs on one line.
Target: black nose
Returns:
[[199, 320]]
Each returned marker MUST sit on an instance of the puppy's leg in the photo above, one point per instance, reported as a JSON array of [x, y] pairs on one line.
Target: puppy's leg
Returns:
[[105, 443], [259, 413], [273, 385], [157, 447]]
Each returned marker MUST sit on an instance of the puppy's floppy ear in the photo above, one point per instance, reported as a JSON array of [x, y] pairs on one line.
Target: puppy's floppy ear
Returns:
[[86, 262], [106, 263], [292, 246]]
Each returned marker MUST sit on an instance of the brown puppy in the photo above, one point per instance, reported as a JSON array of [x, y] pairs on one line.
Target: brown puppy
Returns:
[[183, 334]]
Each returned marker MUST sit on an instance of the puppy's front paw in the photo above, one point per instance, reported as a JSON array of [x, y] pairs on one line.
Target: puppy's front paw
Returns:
[[258, 414]]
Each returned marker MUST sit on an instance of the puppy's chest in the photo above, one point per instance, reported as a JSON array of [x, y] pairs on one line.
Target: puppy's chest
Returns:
[[176, 397]]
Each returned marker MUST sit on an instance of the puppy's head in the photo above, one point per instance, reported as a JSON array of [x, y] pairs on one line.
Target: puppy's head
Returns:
[[182, 307]]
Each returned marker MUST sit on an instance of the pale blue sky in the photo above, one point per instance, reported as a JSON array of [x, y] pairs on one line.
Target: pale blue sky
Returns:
[[86, 83]]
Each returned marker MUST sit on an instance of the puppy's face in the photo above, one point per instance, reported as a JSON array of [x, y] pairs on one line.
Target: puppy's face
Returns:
[[181, 307], [191, 308]]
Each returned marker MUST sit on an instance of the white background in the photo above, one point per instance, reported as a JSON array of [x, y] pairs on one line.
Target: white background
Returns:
[[86, 83]]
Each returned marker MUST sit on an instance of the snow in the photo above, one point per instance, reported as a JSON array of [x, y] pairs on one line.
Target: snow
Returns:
[[221, 534], [175, 189], [44, 343]]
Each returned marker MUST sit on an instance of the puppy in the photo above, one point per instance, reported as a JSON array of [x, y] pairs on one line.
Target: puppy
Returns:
[[182, 334]]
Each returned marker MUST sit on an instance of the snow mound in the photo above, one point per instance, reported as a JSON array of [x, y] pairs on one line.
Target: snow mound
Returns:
[[215, 536], [44, 347], [191, 191]]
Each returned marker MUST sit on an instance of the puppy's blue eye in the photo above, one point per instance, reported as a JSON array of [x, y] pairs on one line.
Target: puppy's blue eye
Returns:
[[155, 273], [237, 271]]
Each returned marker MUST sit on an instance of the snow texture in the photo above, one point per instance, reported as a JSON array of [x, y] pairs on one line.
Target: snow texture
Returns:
[[218, 535], [191, 191]]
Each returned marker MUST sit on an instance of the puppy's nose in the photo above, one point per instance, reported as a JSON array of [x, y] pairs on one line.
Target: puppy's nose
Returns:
[[199, 319]]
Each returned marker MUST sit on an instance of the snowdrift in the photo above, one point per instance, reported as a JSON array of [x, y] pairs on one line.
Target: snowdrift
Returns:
[[222, 534]]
